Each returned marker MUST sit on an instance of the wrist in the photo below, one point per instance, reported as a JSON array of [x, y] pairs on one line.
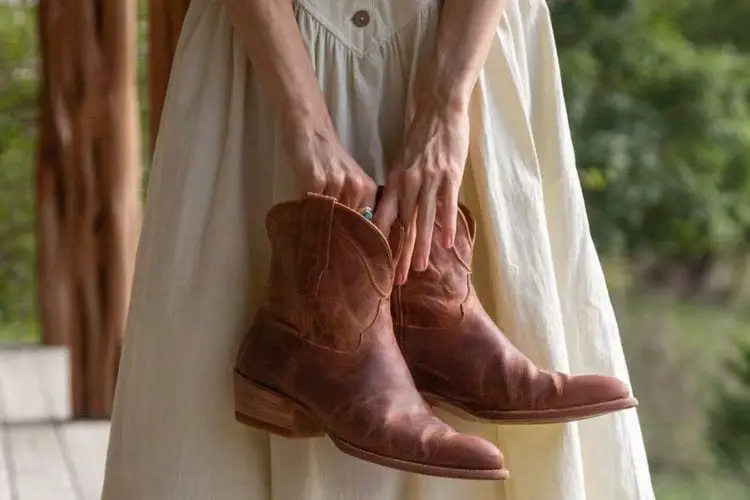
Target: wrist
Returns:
[[306, 121], [445, 89], [445, 104]]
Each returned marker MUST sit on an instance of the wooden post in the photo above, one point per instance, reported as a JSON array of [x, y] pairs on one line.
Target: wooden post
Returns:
[[165, 23], [88, 187]]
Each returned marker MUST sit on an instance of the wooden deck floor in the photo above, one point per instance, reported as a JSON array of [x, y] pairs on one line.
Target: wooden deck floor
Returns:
[[43, 455]]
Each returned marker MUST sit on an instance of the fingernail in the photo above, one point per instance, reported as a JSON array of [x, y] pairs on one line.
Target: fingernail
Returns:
[[422, 264]]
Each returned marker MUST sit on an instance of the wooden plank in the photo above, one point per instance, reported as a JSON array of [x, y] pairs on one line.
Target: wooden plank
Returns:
[[6, 491], [39, 464], [165, 18], [88, 187], [22, 392], [52, 368], [120, 198], [40, 458], [86, 446], [35, 384]]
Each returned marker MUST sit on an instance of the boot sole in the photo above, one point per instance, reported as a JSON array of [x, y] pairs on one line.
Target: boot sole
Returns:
[[531, 417], [263, 408]]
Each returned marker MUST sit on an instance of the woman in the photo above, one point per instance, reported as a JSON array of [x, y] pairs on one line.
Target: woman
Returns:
[[410, 88]]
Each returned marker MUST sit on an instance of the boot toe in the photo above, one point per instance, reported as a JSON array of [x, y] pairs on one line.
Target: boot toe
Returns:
[[470, 452], [586, 390]]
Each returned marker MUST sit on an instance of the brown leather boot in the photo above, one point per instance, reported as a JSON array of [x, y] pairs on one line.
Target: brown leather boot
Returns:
[[321, 356], [462, 361]]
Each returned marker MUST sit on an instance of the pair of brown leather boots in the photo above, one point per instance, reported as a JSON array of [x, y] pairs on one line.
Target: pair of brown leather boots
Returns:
[[336, 349]]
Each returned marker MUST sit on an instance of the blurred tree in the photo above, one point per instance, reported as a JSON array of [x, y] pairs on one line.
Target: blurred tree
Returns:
[[661, 121], [18, 134], [18, 113], [713, 22], [658, 97], [730, 426]]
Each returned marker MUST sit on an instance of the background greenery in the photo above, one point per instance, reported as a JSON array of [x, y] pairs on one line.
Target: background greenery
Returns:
[[659, 104]]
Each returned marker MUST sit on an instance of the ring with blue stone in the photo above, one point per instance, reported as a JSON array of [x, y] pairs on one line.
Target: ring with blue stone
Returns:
[[366, 212]]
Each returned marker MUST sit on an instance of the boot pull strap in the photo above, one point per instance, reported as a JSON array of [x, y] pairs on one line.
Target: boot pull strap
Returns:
[[315, 241]]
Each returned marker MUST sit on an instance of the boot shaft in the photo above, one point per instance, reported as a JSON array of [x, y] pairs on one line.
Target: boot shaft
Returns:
[[434, 298], [330, 271]]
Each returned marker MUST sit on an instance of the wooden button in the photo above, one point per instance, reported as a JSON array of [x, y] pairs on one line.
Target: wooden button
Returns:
[[361, 18]]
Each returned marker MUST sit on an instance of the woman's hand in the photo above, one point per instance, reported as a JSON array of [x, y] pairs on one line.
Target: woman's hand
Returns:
[[423, 186], [282, 63], [322, 165]]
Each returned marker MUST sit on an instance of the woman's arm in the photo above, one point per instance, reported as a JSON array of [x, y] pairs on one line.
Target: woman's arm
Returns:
[[427, 175], [465, 33], [280, 61], [269, 32]]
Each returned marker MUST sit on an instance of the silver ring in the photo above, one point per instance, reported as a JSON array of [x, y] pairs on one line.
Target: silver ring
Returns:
[[366, 212]]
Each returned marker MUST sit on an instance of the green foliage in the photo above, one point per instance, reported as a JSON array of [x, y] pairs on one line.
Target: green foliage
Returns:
[[703, 486], [143, 91], [714, 22], [658, 96], [19, 75], [18, 112], [676, 351], [662, 128], [730, 429], [23, 332]]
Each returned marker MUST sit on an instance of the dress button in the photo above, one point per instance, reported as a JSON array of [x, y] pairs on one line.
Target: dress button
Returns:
[[361, 18]]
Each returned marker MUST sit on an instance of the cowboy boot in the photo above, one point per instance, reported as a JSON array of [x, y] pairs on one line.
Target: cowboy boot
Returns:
[[462, 361], [321, 356]]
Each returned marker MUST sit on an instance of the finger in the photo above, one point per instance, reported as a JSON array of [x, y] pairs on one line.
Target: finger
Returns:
[[407, 250], [316, 185], [334, 188], [351, 193], [411, 186], [425, 224], [448, 212], [367, 194], [387, 210], [364, 198]]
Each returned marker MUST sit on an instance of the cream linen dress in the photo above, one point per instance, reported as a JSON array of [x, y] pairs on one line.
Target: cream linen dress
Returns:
[[204, 254]]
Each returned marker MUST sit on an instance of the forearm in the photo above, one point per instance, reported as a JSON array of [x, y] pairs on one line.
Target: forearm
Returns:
[[280, 60], [464, 36]]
